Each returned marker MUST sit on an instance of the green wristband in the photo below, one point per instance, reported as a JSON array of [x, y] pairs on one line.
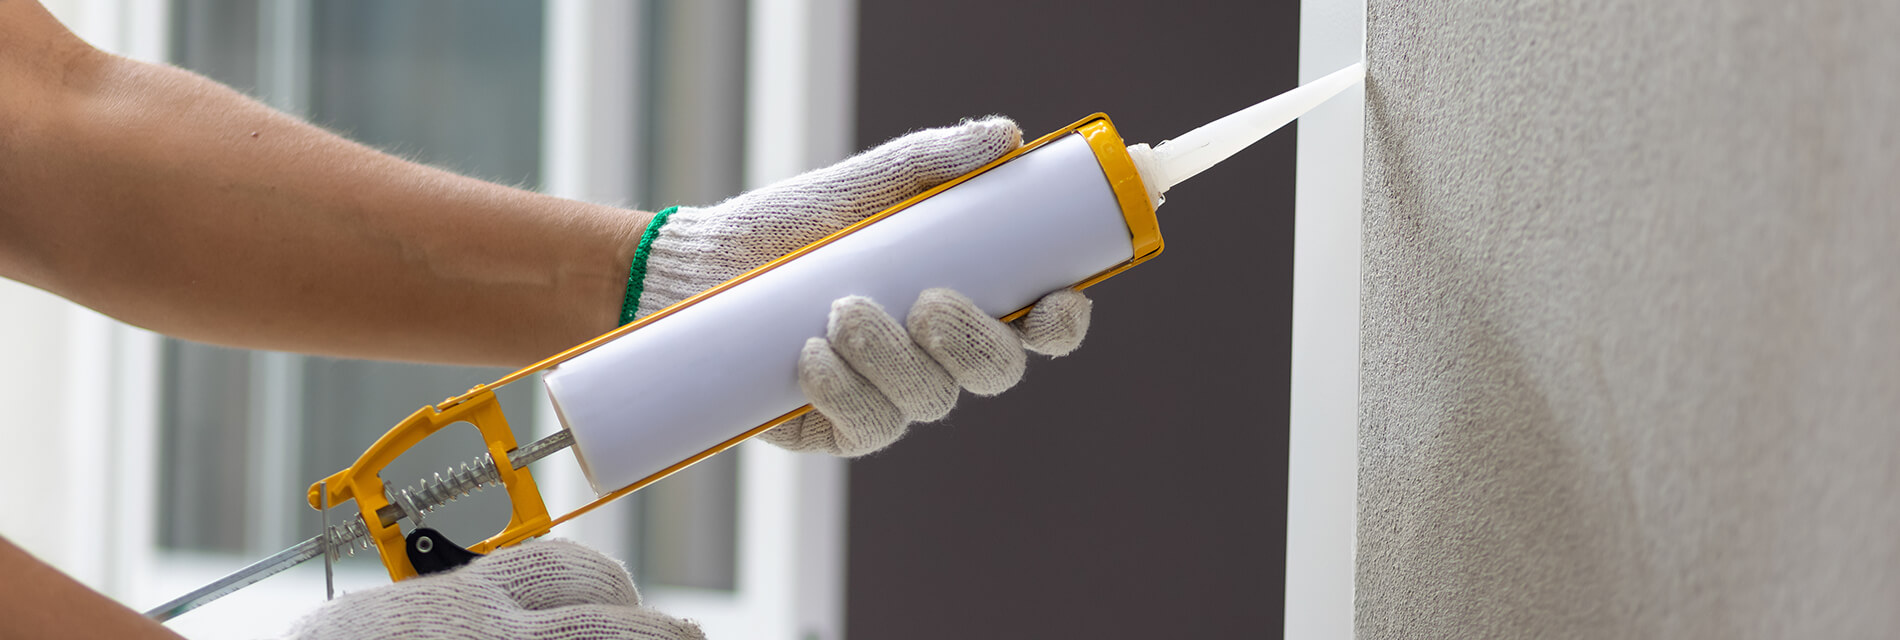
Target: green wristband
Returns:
[[637, 273]]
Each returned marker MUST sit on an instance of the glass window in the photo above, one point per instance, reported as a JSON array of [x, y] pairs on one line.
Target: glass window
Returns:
[[453, 83], [695, 144], [456, 84]]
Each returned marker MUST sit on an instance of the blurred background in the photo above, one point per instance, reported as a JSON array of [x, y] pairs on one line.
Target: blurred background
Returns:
[[1135, 488]]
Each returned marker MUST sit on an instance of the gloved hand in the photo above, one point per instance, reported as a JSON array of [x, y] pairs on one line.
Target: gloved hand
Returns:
[[554, 590], [871, 377]]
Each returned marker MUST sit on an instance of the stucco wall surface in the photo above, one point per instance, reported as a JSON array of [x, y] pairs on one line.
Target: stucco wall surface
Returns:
[[1631, 320]]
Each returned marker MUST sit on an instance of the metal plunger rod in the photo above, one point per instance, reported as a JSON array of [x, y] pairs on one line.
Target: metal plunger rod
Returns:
[[428, 495]]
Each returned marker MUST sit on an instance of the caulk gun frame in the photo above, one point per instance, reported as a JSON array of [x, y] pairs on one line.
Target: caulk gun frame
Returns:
[[1124, 179], [362, 482], [378, 516], [1118, 169]]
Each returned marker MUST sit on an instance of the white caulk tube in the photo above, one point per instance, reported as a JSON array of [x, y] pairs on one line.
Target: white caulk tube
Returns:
[[1073, 208]]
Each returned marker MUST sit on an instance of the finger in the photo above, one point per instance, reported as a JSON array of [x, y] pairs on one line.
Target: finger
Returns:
[[1056, 325], [556, 573], [809, 432], [603, 622], [980, 352], [898, 169], [879, 349], [862, 419]]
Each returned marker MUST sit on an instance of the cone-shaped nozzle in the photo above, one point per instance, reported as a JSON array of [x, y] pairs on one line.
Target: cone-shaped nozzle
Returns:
[[1183, 157]]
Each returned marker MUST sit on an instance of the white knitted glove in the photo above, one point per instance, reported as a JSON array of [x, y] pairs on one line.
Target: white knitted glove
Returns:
[[872, 377], [553, 590], [697, 248], [877, 379]]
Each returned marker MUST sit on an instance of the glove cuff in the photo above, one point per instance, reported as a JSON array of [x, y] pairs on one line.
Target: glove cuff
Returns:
[[637, 272], [689, 251]]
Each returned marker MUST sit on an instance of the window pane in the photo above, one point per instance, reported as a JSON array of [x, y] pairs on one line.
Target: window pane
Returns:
[[217, 38], [204, 437], [451, 83], [696, 93], [348, 404], [688, 523], [455, 83], [204, 441]]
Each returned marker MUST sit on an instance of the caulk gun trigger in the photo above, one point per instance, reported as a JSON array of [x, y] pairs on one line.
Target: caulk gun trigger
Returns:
[[430, 552]]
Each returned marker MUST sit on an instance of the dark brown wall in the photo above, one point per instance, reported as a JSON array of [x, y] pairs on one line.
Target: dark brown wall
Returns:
[[1138, 487]]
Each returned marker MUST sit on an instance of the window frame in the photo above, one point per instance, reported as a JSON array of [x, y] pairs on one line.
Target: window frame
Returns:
[[797, 116], [1323, 471]]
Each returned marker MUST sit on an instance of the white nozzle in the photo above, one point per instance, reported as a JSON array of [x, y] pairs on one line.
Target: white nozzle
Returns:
[[1174, 161]]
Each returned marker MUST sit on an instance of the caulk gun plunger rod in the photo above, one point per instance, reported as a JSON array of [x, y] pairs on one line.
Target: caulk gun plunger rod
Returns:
[[1176, 160], [352, 530]]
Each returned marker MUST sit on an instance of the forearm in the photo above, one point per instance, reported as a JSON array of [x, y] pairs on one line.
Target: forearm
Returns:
[[37, 601], [168, 201]]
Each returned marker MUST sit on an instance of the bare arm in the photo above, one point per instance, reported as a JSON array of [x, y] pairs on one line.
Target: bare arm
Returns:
[[39, 602], [166, 200]]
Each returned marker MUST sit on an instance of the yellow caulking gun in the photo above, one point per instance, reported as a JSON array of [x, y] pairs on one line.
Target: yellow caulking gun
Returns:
[[1069, 209]]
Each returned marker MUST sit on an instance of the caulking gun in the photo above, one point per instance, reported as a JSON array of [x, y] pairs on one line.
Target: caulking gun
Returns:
[[1069, 209]]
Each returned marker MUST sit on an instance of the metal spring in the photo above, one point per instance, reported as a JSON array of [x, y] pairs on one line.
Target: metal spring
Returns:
[[430, 494], [473, 476], [348, 537], [438, 491]]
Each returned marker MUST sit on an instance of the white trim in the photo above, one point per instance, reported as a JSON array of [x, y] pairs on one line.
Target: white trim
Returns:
[[133, 457], [819, 607], [39, 514], [133, 28], [777, 67], [798, 87], [146, 29], [800, 90], [591, 100], [95, 21], [88, 398], [1323, 483], [276, 422], [105, 440]]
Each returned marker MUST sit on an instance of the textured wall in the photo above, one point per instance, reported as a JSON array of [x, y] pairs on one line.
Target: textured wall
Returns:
[[1631, 327]]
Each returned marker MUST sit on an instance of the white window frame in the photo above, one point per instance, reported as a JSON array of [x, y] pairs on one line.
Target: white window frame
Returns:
[[799, 94], [97, 519], [103, 457], [1323, 472]]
